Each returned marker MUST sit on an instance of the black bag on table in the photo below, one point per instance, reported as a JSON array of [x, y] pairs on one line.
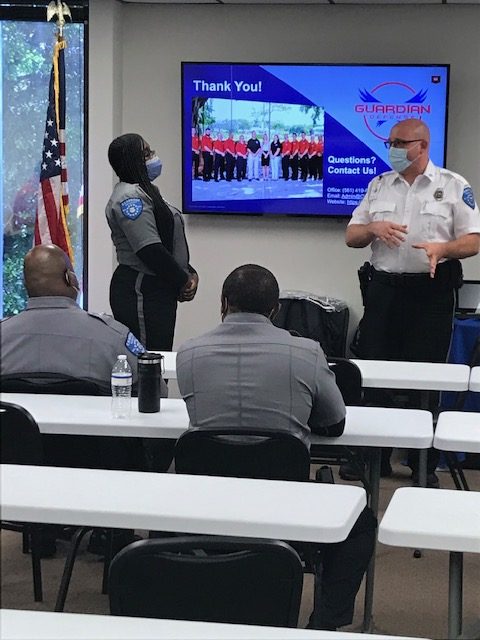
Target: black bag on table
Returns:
[[320, 318]]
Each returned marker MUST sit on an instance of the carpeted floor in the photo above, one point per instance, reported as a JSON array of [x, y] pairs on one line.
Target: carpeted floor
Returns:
[[410, 594]]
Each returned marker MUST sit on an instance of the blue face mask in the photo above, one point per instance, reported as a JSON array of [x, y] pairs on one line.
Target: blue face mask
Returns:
[[154, 168], [398, 159]]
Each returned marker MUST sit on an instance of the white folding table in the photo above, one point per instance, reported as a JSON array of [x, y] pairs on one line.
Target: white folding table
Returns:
[[422, 376], [458, 431], [169, 502], [474, 384], [376, 427], [44, 625], [372, 427], [415, 518], [386, 374], [92, 416]]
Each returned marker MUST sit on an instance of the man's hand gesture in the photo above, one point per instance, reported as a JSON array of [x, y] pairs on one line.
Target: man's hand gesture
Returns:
[[391, 233], [435, 251]]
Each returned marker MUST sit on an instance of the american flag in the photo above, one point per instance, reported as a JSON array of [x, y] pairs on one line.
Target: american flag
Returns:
[[52, 206]]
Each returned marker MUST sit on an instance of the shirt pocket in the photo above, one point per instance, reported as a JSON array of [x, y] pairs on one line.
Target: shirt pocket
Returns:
[[383, 210], [435, 217]]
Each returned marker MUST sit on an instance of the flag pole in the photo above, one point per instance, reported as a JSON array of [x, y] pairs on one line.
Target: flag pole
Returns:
[[52, 201]]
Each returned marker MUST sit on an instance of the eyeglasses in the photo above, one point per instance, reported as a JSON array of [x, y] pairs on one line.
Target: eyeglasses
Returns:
[[399, 143], [148, 153]]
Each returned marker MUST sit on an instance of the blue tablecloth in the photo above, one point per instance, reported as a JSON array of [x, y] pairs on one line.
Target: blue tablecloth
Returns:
[[466, 332]]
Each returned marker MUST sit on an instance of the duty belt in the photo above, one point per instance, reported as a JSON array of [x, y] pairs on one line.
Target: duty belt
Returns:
[[443, 275]]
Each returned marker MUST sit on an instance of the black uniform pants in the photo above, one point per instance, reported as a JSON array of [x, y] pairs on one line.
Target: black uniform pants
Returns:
[[195, 163], [294, 165], [145, 305], [285, 167], [320, 167], [408, 317], [340, 574], [219, 167], [229, 166], [148, 308], [241, 165], [303, 162], [207, 165]]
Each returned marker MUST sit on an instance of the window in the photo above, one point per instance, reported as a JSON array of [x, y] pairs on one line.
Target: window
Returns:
[[26, 49]]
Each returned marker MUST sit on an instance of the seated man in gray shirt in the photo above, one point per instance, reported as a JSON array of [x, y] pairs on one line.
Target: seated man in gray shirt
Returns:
[[247, 372], [54, 335]]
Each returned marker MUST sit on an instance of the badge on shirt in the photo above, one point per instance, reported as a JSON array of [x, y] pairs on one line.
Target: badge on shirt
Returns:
[[468, 198], [438, 195], [134, 345], [131, 208]]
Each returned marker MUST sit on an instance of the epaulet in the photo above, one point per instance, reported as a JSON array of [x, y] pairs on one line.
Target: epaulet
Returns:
[[385, 174], [452, 174], [106, 319]]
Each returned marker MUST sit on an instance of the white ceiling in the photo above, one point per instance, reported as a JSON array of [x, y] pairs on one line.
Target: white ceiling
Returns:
[[330, 2]]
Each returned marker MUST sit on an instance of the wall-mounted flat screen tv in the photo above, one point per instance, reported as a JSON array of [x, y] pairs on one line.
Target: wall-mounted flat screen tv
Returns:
[[298, 139]]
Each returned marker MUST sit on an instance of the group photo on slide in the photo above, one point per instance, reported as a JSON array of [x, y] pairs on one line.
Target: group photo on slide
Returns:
[[249, 149]]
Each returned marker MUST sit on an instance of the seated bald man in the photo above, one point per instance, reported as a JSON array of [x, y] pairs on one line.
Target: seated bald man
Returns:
[[54, 339], [54, 335], [248, 373]]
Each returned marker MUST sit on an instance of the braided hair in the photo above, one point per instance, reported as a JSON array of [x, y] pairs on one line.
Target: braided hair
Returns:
[[126, 156]]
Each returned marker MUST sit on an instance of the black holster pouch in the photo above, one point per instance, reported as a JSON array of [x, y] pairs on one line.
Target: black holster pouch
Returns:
[[364, 276]]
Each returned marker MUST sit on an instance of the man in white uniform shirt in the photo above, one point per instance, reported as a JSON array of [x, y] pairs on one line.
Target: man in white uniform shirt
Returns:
[[419, 220]]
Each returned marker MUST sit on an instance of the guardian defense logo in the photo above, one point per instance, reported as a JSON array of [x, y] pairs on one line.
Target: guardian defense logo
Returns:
[[389, 102]]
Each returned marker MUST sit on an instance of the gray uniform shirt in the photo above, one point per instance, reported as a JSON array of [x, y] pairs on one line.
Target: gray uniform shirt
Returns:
[[132, 224], [247, 372], [54, 335]]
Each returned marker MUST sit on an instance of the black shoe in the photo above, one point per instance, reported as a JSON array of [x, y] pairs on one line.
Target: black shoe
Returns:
[[432, 480], [351, 472], [313, 625], [325, 475]]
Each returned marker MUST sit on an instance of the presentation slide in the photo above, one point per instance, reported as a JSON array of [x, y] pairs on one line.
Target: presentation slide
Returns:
[[298, 139]]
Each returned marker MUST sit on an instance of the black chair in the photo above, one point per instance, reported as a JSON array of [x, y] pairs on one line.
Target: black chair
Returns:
[[21, 444], [242, 453], [49, 383], [250, 453], [76, 451], [213, 579], [349, 380], [93, 452]]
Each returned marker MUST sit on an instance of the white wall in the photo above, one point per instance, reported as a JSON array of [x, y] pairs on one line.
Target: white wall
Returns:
[[303, 253], [104, 123]]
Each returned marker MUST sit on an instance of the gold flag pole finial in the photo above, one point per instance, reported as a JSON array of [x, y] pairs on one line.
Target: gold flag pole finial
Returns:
[[60, 9]]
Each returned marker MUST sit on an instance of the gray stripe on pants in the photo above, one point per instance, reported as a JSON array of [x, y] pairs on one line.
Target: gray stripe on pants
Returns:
[[141, 317]]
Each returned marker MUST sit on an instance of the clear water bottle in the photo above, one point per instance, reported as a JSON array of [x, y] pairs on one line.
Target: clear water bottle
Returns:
[[121, 388]]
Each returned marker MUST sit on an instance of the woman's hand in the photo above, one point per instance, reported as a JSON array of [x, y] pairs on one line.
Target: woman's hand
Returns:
[[190, 289]]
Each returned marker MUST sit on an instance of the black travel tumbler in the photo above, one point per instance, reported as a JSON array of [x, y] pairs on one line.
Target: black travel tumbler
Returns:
[[149, 380]]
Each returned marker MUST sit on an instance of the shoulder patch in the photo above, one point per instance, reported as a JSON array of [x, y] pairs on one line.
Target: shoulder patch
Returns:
[[468, 197], [131, 208], [134, 345]]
